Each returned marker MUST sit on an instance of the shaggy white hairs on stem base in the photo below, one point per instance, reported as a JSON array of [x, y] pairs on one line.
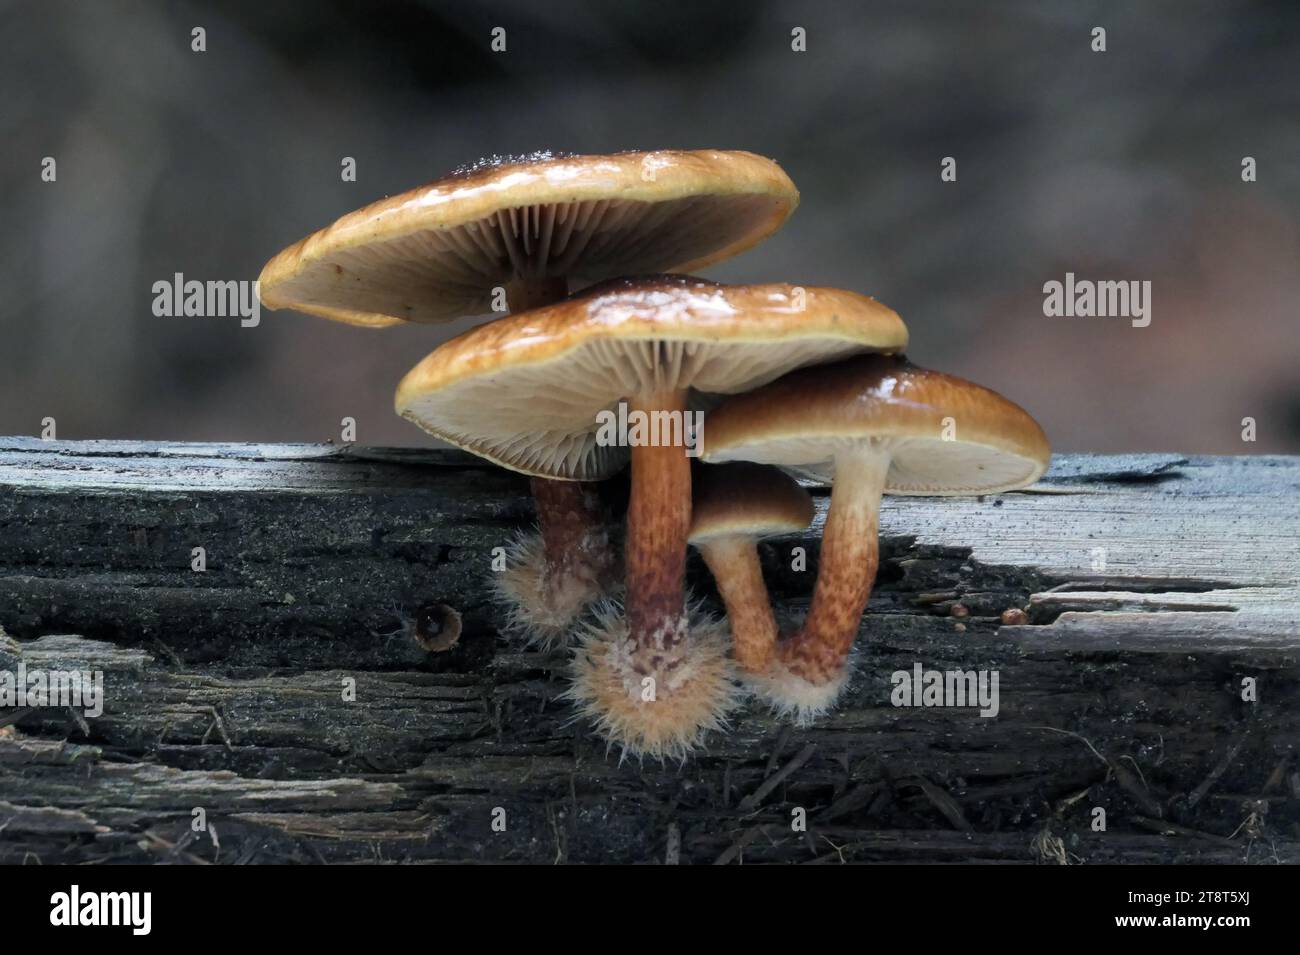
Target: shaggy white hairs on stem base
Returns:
[[792, 697], [545, 616], [690, 701]]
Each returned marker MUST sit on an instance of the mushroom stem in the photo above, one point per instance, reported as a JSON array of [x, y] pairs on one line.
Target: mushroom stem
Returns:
[[573, 522], [658, 525], [525, 293], [847, 569], [575, 535], [737, 571]]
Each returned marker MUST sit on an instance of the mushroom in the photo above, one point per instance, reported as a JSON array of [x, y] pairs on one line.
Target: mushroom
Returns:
[[537, 393], [872, 424], [531, 226], [733, 507]]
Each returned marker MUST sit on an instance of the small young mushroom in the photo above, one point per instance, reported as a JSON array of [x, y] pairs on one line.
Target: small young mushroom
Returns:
[[872, 424], [530, 227], [576, 389], [734, 506]]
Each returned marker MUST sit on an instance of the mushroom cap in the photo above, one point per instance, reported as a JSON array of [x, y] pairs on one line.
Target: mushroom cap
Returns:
[[434, 254], [746, 500], [887, 404], [525, 391]]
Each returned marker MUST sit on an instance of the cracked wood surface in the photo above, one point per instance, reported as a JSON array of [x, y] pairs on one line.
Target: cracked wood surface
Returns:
[[224, 689]]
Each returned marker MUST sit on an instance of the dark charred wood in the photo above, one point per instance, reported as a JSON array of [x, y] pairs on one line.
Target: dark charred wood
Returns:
[[284, 693]]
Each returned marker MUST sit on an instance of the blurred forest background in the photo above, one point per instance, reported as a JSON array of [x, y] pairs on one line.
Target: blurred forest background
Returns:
[[1117, 165]]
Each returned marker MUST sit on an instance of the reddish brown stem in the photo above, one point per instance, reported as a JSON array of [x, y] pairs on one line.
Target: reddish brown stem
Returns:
[[658, 524], [574, 528], [523, 294], [736, 569], [846, 572], [573, 522]]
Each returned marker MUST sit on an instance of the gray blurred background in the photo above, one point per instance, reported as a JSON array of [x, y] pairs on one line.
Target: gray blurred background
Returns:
[[1117, 165]]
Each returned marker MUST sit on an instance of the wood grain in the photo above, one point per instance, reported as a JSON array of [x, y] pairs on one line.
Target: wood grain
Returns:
[[225, 689]]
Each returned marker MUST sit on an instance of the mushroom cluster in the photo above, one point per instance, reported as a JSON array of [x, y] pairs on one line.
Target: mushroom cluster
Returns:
[[589, 253]]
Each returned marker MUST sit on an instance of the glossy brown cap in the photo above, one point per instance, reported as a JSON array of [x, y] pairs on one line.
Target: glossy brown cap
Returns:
[[746, 500], [944, 435], [434, 254], [525, 391]]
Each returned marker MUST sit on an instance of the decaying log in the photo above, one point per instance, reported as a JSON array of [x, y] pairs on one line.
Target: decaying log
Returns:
[[1159, 591]]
